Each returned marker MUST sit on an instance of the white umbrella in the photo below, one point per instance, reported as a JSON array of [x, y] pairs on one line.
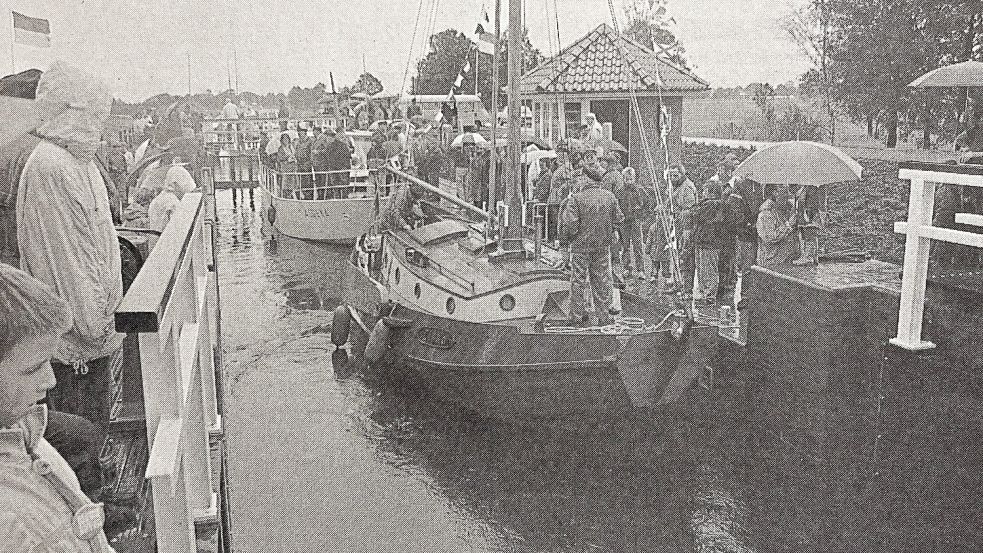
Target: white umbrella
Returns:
[[469, 138], [967, 73], [799, 162]]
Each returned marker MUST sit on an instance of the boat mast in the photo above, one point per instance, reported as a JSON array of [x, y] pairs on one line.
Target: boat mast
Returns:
[[512, 179], [493, 154]]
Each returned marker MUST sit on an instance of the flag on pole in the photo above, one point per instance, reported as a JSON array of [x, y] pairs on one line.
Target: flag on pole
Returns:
[[32, 31], [485, 39], [460, 76]]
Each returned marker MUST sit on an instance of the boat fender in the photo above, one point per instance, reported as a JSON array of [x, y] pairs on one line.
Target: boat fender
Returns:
[[378, 342], [341, 322], [271, 214]]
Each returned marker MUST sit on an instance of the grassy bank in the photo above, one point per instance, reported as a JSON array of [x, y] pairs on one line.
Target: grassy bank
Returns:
[[861, 214]]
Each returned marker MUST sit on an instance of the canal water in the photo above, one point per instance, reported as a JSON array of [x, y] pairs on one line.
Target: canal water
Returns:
[[324, 456]]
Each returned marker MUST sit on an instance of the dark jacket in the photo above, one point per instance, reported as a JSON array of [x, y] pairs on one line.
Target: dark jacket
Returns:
[[740, 212], [630, 199], [708, 217], [588, 219], [339, 156]]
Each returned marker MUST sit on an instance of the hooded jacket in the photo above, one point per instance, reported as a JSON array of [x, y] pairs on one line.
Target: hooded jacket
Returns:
[[65, 232], [177, 183]]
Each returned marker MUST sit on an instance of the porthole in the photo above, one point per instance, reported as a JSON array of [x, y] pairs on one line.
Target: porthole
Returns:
[[396, 275], [416, 290], [507, 303], [451, 305]]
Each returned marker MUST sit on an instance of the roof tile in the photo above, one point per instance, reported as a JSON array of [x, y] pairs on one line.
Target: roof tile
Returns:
[[594, 64]]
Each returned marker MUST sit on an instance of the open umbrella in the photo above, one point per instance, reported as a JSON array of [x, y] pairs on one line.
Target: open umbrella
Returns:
[[799, 162], [967, 73], [469, 138]]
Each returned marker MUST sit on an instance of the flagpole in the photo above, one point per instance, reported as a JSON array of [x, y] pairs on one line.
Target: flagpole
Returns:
[[13, 43]]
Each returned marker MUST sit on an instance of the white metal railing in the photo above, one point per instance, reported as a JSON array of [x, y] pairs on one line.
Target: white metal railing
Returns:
[[173, 306], [318, 185], [919, 233]]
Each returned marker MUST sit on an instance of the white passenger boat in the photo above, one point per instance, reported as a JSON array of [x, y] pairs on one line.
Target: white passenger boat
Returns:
[[308, 206]]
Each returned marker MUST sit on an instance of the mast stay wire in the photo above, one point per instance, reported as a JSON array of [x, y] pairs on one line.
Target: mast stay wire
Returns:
[[409, 54], [668, 225]]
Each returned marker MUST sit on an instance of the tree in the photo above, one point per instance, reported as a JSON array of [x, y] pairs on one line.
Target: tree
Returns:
[[874, 48], [367, 83], [451, 50], [650, 25]]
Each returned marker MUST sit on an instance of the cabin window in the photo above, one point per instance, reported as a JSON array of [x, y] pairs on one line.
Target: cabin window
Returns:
[[507, 303], [416, 290], [451, 305], [396, 275]]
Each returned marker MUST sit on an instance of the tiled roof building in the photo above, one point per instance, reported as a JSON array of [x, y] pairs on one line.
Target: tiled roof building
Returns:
[[596, 74]]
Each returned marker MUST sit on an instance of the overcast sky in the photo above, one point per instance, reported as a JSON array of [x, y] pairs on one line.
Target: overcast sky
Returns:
[[141, 47]]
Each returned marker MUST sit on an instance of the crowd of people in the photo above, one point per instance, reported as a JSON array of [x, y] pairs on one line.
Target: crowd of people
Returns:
[[697, 240], [63, 192]]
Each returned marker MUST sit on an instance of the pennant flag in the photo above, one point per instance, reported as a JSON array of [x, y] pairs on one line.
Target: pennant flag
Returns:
[[460, 76], [31, 31], [486, 40]]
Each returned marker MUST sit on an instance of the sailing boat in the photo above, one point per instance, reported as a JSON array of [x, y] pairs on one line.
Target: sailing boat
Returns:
[[472, 307]]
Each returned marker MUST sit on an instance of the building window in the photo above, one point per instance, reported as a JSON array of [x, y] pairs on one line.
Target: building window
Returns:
[[572, 117]]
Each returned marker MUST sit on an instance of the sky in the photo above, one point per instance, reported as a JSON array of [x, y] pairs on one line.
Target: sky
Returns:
[[143, 47]]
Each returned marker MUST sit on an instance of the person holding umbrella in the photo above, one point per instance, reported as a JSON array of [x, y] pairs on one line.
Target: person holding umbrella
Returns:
[[776, 231]]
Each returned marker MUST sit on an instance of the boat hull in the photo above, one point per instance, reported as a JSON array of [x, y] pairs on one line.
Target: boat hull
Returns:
[[502, 372], [339, 221]]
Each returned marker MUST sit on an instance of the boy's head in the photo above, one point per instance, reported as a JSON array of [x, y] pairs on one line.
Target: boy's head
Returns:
[[34, 319]]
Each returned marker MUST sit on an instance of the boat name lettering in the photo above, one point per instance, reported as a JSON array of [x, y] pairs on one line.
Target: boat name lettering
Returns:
[[316, 212], [435, 338]]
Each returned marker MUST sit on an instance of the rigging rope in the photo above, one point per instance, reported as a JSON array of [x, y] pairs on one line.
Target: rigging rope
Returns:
[[665, 207], [409, 54]]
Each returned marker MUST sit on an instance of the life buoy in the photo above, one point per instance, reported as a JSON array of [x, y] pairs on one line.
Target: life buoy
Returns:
[[378, 342], [341, 321], [271, 213]]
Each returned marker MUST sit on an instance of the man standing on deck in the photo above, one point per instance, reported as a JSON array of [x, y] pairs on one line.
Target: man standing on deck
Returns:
[[339, 164], [303, 151], [588, 219], [319, 157]]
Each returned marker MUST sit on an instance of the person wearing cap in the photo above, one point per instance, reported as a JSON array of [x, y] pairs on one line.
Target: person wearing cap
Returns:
[[42, 505]]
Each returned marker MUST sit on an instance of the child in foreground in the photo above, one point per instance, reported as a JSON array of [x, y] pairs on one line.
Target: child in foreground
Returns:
[[42, 507]]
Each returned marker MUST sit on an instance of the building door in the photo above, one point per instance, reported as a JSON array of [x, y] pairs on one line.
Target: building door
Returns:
[[616, 112]]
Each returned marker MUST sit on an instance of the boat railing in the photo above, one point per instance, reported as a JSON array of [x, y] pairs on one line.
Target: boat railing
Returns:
[[919, 233], [173, 307], [310, 185]]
